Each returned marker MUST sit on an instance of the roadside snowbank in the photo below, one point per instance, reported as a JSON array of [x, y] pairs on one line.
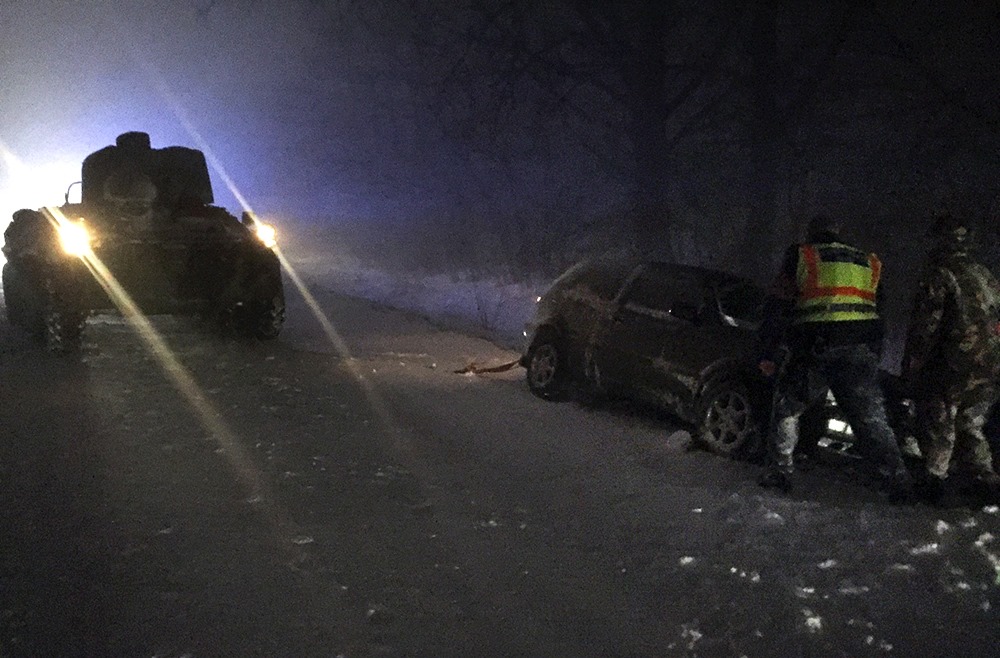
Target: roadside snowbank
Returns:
[[486, 308]]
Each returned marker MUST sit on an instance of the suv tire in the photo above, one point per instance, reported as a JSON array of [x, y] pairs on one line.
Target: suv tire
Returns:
[[726, 421], [546, 369]]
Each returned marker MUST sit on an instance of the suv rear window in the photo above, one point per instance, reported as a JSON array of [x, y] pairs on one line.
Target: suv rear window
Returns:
[[674, 289]]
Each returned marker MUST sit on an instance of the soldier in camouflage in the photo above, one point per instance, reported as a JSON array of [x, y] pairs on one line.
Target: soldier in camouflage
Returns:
[[952, 360]]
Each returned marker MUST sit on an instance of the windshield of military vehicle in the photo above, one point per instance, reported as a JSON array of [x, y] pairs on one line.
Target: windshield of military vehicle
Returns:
[[742, 304]]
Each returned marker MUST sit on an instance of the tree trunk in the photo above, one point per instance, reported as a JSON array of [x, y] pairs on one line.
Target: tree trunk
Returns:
[[766, 236], [646, 77]]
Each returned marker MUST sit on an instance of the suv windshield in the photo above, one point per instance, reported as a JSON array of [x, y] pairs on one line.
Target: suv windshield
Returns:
[[742, 304]]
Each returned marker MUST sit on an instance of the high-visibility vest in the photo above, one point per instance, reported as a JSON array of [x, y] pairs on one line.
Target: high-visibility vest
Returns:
[[836, 282]]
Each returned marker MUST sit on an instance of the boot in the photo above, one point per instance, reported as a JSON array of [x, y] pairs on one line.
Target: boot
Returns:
[[900, 488], [930, 489], [774, 478], [984, 488]]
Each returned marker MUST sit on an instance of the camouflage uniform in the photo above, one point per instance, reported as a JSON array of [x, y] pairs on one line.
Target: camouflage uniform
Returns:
[[952, 356]]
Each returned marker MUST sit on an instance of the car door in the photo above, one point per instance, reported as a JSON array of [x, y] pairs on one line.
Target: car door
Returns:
[[650, 311], [685, 333], [727, 334]]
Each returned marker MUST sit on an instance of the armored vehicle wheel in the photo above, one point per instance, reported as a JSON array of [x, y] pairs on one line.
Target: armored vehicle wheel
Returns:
[[726, 422], [22, 302], [266, 320], [63, 330]]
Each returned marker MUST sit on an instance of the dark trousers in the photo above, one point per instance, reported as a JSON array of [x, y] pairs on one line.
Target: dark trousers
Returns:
[[851, 373]]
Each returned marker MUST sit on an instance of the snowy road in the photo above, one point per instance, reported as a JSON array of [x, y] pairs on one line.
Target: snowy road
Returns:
[[288, 499]]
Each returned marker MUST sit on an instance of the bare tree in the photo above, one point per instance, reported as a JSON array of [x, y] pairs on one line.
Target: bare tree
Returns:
[[718, 120], [624, 76]]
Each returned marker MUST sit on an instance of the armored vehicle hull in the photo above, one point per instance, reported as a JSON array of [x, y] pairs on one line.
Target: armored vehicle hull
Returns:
[[145, 238]]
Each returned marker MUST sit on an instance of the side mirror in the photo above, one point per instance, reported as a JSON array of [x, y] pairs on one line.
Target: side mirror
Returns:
[[70, 189]]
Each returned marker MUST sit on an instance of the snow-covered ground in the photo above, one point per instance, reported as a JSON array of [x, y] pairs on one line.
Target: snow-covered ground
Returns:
[[685, 540], [438, 513], [834, 566]]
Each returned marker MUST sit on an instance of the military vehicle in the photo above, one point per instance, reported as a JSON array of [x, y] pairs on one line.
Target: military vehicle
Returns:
[[145, 225]]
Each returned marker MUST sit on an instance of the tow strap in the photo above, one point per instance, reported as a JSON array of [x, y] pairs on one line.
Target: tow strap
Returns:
[[476, 369]]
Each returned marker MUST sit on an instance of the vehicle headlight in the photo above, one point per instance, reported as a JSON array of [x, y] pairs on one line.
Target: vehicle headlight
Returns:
[[74, 238], [838, 426], [267, 234]]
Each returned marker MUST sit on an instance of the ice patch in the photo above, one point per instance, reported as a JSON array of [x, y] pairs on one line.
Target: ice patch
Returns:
[[773, 519], [814, 623], [926, 549], [686, 560], [942, 527], [827, 564], [752, 576], [882, 644], [849, 589], [691, 633]]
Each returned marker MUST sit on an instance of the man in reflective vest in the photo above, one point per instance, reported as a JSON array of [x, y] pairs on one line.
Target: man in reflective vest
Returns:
[[823, 311]]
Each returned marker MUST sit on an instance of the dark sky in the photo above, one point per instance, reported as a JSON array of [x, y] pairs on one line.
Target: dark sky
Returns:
[[335, 109], [312, 110]]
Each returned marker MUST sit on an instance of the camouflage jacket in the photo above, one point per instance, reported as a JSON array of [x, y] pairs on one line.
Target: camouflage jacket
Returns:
[[953, 342]]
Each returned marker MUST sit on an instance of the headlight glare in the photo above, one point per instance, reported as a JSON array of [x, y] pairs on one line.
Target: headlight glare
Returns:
[[74, 238], [266, 234]]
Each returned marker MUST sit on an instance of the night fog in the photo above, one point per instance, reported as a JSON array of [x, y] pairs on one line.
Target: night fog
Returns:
[[371, 418], [512, 138]]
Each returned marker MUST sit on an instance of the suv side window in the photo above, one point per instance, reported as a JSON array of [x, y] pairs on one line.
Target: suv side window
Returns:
[[667, 292], [607, 279], [649, 291]]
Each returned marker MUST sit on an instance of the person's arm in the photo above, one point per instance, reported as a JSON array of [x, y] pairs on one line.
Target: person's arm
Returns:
[[778, 307], [925, 321]]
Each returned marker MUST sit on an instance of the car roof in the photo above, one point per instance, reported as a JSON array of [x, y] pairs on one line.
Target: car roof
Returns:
[[607, 274], [714, 277]]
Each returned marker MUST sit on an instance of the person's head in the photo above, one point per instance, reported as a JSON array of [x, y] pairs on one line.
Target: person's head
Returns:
[[822, 227], [950, 232]]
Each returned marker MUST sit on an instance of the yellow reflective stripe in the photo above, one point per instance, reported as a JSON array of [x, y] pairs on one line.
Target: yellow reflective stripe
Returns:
[[839, 289]]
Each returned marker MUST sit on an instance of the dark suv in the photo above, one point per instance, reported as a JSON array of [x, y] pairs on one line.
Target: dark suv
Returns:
[[680, 337]]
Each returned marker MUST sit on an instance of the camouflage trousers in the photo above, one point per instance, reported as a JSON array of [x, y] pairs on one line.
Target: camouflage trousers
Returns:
[[851, 373], [950, 428]]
